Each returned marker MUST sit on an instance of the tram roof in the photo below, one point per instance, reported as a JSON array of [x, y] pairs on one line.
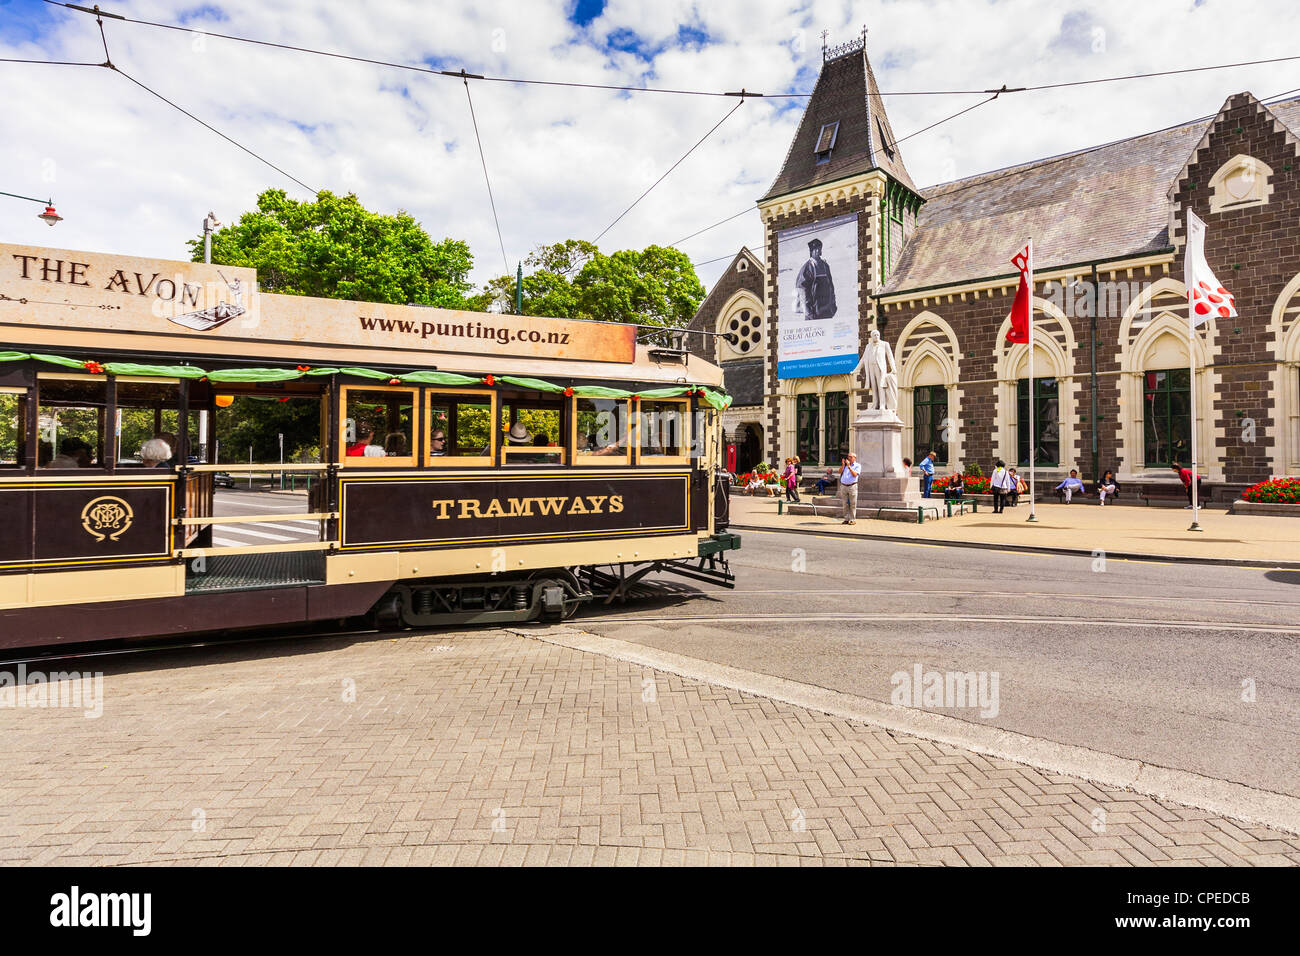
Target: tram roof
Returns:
[[85, 301]]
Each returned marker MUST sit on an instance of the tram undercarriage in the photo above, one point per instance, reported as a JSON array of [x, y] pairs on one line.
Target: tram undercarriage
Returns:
[[552, 595]]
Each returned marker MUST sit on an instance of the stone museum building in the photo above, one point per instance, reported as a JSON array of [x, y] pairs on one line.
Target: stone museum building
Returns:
[[1113, 386]]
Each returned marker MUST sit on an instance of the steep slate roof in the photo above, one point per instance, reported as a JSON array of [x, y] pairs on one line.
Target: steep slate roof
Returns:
[[846, 92], [1097, 203], [708, 303], [744, 382]]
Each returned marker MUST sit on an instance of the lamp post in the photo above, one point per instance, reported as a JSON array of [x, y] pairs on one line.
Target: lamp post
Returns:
[[50, 217], [210, 225]]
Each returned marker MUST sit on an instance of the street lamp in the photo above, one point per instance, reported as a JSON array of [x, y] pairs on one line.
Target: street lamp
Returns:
[[49, 216], [210, 225]]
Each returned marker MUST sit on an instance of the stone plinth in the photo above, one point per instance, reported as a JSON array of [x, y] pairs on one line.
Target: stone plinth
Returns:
[[878, 443]]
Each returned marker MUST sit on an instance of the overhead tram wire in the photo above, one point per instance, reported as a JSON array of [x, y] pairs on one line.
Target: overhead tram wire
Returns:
[[981, 180], [109, 64], [670, 169], [645, 89], [209, 126], [996, 94], [486, 178]]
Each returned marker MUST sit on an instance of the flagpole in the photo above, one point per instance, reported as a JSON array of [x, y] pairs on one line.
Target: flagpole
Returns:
[[1191, 362], [1033, 436]]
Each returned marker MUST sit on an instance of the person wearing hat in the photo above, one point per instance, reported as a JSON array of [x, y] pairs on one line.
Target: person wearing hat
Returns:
[[814, 289], [519, 436]]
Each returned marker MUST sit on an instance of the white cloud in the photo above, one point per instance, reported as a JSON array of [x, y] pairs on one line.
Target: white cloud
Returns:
[[130, 174]]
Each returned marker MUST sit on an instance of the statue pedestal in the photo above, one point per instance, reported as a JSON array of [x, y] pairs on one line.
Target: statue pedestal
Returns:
[[878, 443]]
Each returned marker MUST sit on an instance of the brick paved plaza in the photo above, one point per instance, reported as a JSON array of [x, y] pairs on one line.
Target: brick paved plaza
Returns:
[[496, 748]]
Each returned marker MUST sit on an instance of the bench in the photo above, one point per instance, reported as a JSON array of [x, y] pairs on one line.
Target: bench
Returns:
[[1169, 492], [961, 504], [1089, 491]]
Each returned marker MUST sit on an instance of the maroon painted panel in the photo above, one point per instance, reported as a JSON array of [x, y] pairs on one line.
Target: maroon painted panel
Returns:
[[15, 528], [457, 510], [91, 523]]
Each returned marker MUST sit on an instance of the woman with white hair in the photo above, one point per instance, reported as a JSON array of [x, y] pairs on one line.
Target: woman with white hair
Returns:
[[155, 453]]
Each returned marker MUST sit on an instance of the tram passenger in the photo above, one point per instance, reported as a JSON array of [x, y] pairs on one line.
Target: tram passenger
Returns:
[[155, 453], [73, 453], [520, 436], [395, 445], [172, 445], [438, 442], [365, 435]]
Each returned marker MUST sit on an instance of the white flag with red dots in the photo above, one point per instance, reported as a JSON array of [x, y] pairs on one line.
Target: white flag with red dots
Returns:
[[1206, 297]]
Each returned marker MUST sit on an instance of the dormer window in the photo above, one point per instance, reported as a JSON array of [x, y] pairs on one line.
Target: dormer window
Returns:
[[826, 141], [885, 144]]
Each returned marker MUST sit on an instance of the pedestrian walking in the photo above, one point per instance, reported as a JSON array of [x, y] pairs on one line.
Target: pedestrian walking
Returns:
[[1107, 486], [849, 471], [1000, 484], [927, 474], [791, 477]]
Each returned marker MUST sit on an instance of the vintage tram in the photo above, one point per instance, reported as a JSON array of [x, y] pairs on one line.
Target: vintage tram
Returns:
[[470, 467]]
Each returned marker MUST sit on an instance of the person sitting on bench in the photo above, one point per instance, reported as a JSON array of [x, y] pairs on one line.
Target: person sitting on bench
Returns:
[[1107, 486], [1071, 485], [953, 490]]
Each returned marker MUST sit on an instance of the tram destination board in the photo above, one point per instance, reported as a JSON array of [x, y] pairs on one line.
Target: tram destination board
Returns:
[[459, 510], [207, 308]]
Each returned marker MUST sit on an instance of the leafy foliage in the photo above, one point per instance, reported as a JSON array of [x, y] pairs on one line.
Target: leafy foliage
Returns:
[[971, 484], [575, 280], [1275, 491], [257, 422], [335, 248]]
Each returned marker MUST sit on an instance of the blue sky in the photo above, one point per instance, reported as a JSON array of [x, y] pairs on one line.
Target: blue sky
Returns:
[[132, 175]]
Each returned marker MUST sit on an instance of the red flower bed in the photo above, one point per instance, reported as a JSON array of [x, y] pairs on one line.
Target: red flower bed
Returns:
[[1275, 491], [971, 485]]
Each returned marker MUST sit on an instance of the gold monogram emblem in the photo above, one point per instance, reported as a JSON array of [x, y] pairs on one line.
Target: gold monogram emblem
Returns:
[[106, 518]]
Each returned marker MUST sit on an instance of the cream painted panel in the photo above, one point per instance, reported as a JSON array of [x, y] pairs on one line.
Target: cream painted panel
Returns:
[[116, 584]]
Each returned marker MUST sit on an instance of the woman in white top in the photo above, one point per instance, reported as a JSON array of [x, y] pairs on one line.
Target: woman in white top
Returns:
[[1000, 484]]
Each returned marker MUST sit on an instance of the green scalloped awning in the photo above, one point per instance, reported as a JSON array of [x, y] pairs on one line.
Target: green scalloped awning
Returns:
[[715, 398]]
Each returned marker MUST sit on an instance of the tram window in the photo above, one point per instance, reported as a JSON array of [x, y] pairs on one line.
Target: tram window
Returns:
[[13, 427], [532, 432], [663, 430], [459, 427], [603, 431], [147, 410], [379, 425], [71, 422]]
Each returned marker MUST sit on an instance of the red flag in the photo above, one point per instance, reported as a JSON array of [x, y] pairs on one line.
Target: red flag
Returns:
[[1019, 331]]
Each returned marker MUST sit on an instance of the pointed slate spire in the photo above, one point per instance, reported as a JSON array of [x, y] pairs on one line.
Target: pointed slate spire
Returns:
[[845, 129]]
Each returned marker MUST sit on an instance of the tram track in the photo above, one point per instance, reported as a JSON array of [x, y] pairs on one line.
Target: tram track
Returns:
[[916, 617]]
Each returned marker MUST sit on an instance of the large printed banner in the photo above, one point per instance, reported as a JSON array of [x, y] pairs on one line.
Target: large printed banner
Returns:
[[98, 292], [817, 298]]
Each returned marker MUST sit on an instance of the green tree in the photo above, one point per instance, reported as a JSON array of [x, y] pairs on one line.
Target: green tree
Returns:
[[574, 279], [330, 247], [333, 247]]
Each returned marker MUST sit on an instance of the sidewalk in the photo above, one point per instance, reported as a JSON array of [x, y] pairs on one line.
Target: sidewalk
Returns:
[[490, 747], [1118, 530]]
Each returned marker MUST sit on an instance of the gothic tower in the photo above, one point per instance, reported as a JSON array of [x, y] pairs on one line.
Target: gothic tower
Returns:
[[844, 192]]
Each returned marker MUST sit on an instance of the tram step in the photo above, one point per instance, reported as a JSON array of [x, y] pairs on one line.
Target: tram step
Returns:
[[248, 572]]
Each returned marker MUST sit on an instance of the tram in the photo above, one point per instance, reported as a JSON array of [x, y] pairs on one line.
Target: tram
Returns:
[[471, 468]]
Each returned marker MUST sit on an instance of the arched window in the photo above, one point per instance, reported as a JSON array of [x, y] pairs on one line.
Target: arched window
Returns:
[[741, 325]]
